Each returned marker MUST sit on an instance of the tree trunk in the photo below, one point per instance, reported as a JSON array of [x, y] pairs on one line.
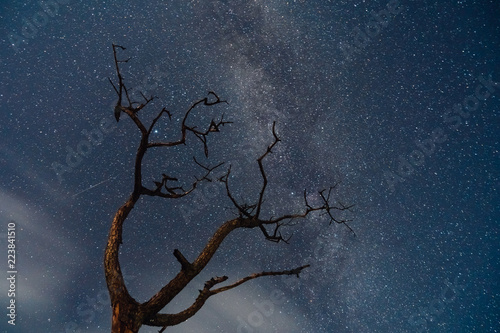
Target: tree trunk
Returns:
[[126, 318]]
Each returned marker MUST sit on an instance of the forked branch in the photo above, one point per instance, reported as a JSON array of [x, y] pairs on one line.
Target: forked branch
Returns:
[[253, 211], [128, 314], [262, 172], [166, 320]]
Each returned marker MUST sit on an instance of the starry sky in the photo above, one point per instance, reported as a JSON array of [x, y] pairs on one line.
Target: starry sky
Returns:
[[397, 100]]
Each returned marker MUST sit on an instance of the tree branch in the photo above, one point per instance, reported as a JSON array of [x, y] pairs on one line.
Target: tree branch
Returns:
[[122, 302], [247, 210], [245, 220], [261, 168], [165, 320], [126, 309], [202, 135], [185, 264], [295, 271], [177, 191]]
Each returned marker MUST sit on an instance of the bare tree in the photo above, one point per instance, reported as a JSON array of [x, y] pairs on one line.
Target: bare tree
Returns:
[[128, 315]]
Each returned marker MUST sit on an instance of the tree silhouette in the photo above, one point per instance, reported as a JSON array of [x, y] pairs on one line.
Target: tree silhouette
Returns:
[[128, 315]]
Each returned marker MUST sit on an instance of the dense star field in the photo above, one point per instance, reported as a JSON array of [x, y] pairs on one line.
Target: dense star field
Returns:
[[395, 100]]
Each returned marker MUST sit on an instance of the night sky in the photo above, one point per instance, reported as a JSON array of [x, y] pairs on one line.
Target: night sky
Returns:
[[396, 100]]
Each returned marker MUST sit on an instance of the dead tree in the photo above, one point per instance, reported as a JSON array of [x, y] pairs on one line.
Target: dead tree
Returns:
[[128, 315]]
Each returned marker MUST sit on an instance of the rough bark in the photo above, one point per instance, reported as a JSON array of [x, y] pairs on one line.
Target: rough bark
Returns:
[[126, 318]]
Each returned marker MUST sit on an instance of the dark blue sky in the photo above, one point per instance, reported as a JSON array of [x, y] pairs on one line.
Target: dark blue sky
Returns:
[[396, 99]]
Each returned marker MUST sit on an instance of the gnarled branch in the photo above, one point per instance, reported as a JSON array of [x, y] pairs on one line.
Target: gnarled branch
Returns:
[[128, 314], [165, 320], [247, 210]]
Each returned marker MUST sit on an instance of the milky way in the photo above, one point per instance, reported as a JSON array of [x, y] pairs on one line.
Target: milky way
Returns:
[[397, 101]]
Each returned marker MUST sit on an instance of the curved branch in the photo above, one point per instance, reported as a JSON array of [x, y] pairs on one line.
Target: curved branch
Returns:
[[113, 273], [295, 271], [246, 210], [245, 220], [202, 135], [261, 168], [178, 191], [165, 320], [179, 282], [127, 310]]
